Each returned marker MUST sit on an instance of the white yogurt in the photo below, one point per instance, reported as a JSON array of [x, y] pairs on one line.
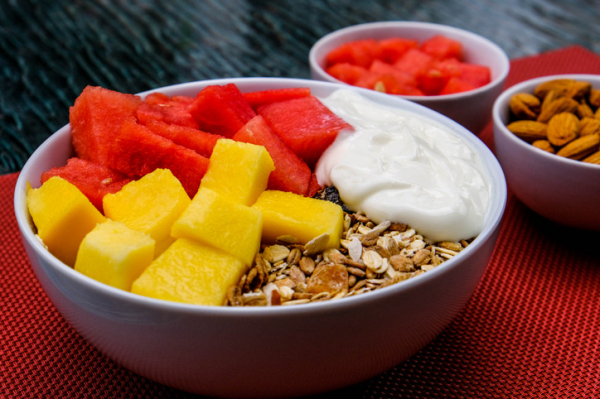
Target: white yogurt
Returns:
[[402, 167]]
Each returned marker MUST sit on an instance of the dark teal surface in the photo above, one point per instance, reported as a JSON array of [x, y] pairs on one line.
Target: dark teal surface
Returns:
[[50, 50]]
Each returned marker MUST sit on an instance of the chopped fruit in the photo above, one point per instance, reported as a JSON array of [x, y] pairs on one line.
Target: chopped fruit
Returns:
[[138, 151], [414, 62], [215, 221], [346, 72], [63, 216], [96, 119], [191, 273], [173, 111], [291, 173], [221, 110], [238, 171], [302, 217], [114, 254], [441, 47], [306, 125], [150, 205], [359, 52], [456, 85], [194, 139], [390, 50], [94, 181], [258, 98]]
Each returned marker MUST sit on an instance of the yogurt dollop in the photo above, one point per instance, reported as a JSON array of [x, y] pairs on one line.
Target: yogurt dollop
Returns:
[[403, 167]]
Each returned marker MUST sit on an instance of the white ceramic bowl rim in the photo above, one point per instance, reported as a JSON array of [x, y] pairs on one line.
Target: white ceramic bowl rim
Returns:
[[435, 28], [500, 116], [493, 218]]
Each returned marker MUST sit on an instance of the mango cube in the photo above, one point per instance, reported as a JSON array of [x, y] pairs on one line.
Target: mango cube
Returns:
[[190, 272], [114, 254], [150, 205], [63, 215], [214, 220], [238, 171], [305, 218]]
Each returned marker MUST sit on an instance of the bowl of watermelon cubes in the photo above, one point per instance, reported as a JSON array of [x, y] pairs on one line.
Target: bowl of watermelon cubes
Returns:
[[150, 219], [450, 70]]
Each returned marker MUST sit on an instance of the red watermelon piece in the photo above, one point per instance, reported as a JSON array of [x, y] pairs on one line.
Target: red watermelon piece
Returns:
[[414, 62], [359, 52], [258, 98], [456, 85], [94, 181], [441, 47], [194, 139], [393, 80], [476, 75], [313, 186], [159, 107], [137, 151], [392, 49], [96, 118], [306, 125], [346, 72], [221, 110], [291, 173]]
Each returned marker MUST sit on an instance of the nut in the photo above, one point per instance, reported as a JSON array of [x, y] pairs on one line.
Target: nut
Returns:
[[594, 158], [544, 145], [581, 147], [594, 98], [525, 106], [563, 128], [589, 126], [560, 105], [528, 130], [560, 86]]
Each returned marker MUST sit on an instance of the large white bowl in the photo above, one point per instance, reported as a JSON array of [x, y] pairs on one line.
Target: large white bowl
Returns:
[[262, 352], [471, 109], [560, 189]]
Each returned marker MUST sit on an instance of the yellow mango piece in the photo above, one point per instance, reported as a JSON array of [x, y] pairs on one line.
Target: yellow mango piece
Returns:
[[150, 205], [305, 218], [114, 254], [238, 171], [213, 220], [190, 272], [63, 215]]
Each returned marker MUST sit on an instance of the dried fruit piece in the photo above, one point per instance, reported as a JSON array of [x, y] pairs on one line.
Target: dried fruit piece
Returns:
[[525, 106], [563, 128], [328, 278], [544, 145], [579, 148], [528, 130]]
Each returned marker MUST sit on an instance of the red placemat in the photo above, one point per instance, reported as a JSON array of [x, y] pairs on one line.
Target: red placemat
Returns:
[[532, 328]]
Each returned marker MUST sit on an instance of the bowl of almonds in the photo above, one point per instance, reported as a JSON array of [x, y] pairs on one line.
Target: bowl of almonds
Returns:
[[547, 138]]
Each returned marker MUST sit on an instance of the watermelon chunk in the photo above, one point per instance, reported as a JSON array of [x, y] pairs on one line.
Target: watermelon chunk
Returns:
[[346, 72], [306, 125], [137, 151], [476, 75], [258, 98], [194, 139], [433, 81], [96, 118], [291, 173], [441, 47], [392, 49], [221, 110], [94, 181], [313, 186], [456, 85], [390, 80], [159, 107], [414, 62], [358, 52]]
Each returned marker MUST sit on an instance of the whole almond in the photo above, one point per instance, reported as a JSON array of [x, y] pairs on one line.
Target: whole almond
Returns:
[[528, 130], [579, 89], [558, 85], [581, 147], [544, 145], [589, 126], [584, 111], [594, 98], [525, 106], [563, 128], [562, 104], [594, 158]]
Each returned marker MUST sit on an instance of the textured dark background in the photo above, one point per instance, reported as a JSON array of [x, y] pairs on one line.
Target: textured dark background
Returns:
[[51, 49]]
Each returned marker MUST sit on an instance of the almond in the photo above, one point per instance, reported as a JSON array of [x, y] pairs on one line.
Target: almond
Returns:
[[594, 98], [563, 128], [579, 89], [589, 126], [559, 85], [562, 104], [525, 106], [544, 145], [528, 130], [581, 147], [584, 111]]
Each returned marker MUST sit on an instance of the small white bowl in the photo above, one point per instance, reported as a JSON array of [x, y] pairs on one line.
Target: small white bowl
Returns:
[[270, 351], [471, 109], [560, 189]]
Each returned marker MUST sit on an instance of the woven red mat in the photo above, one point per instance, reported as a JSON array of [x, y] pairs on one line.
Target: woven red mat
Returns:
[[531, 330]]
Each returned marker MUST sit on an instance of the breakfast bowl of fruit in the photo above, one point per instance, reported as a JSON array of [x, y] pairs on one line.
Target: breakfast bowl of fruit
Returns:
[[547, 139], [453, 71], [259, 237]]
